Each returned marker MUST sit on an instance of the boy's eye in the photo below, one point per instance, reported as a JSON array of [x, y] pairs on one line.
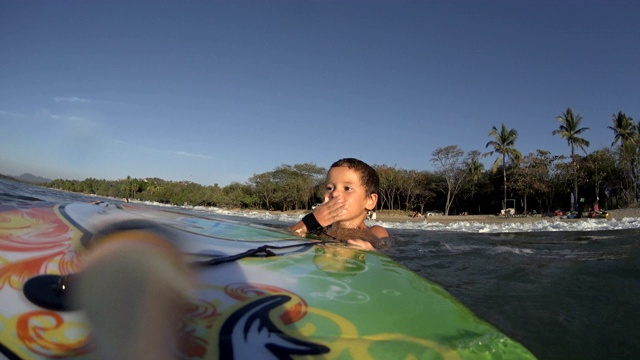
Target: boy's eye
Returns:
[[329, 188], [347, 188]]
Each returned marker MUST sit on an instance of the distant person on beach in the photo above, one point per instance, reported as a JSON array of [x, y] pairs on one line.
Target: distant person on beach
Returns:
[[351, 192]]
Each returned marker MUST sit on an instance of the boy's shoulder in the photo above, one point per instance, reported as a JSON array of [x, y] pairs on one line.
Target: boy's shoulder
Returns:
[[379, 231]]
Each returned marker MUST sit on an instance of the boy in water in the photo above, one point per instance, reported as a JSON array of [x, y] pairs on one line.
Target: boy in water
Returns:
[[351, 192]]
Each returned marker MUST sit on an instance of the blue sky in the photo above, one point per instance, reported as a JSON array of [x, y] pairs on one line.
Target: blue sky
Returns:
[[214, 92]]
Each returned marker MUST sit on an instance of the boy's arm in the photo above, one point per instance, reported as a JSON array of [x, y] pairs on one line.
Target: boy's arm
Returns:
[[299, 228]]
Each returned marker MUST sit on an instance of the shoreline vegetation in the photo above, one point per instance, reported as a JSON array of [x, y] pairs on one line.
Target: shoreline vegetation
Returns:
[[401, 215], [459, 183]]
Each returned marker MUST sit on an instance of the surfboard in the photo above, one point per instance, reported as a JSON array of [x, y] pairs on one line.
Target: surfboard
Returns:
[[260, 293]]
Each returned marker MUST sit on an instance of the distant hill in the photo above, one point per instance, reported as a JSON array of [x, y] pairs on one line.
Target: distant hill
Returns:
[[7, 177], [30, 178]]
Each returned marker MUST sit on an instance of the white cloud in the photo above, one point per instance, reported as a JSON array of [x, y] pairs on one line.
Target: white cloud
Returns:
[[74, 119], [76, 123], [71, 99], [184, 153], [155, 150], [11, 114]]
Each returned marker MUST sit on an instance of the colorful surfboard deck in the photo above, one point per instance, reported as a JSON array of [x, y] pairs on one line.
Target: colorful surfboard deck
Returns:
[[288, 299]]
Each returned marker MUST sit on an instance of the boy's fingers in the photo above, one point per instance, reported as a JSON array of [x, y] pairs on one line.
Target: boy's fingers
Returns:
[[330, 212], [332, 205]]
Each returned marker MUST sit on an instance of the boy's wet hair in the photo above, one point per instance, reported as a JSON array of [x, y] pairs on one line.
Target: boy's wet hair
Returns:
[[368, 175]]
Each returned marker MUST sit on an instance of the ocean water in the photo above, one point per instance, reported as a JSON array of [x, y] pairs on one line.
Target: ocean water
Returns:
[[565, 290]]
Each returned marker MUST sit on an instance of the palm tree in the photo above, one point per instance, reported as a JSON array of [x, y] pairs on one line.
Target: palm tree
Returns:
[[570, 129], [624, 130], [504, 145], [626, 133]]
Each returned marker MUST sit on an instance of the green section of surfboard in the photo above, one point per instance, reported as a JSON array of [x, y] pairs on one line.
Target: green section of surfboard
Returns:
[[364, 305], [329, 302]]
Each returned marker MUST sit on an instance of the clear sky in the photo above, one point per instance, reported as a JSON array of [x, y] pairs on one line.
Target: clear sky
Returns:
[[214, 92]]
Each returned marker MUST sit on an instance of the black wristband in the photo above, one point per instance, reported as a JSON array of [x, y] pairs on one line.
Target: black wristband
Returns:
[[312, 224]]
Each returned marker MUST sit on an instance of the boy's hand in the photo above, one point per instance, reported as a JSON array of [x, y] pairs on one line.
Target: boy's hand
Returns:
[[330, 211], [361, 244]]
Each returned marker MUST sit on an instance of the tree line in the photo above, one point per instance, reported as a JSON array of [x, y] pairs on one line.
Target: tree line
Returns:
[[538, 181]]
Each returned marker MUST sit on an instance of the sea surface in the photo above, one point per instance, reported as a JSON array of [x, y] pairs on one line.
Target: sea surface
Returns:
[[565, 290]]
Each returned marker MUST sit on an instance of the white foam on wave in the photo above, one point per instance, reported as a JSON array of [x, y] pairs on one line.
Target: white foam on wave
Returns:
[[512, 250], [461, 226], [536, 226]]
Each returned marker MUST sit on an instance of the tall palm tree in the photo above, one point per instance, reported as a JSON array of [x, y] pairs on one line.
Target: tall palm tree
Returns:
[[626, 133], [503, 144], [570, 129]]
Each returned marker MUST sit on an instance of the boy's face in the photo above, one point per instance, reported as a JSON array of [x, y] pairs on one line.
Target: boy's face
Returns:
[[345, 183]]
